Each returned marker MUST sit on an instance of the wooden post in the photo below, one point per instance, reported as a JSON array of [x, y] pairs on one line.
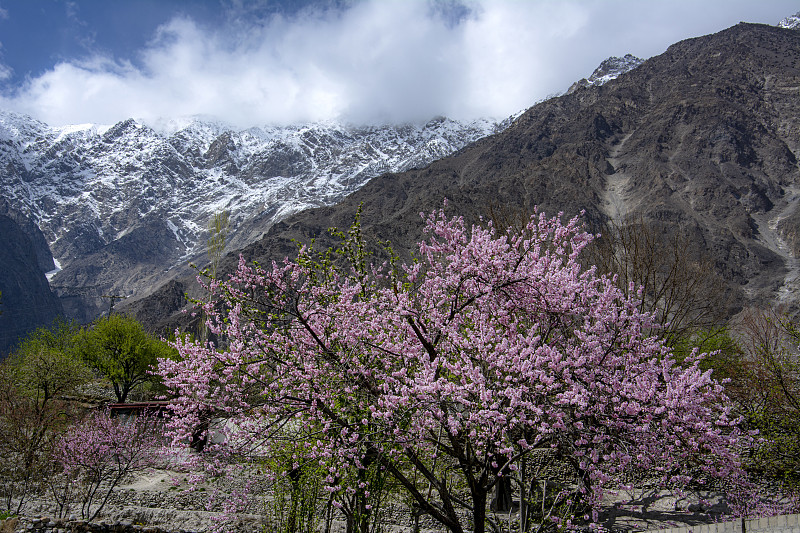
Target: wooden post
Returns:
[[523, 502]]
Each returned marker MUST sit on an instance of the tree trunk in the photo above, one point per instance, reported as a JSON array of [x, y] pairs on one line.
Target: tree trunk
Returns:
[[502, 500], [118, 392], [127, 387], [523, 497], [479, 509]]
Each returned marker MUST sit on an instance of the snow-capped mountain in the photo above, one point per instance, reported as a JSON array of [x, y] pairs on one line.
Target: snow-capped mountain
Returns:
[[614, 66], [118, 203], [791, 22], [610, 69]]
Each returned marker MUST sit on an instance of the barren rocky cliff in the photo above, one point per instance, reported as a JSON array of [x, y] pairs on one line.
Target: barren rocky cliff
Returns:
[[703, 139], [124, 208]]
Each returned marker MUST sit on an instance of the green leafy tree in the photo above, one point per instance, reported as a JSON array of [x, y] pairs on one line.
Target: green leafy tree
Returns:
[[218, 228], [768, 390], [46, 366], [34, 381], [122, 351]]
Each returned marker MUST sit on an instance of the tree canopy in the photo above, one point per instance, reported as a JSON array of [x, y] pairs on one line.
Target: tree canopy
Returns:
[[119, 348], [45, 364], [447, 374], [34, 380]]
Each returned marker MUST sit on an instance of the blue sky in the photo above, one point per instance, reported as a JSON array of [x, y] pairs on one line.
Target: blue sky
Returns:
[[276, 62]]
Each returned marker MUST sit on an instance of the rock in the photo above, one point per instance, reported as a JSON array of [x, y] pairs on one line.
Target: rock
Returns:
[[26, 301], [9, 525], [702, 138]]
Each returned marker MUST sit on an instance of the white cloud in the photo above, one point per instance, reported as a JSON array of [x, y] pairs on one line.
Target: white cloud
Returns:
[[371, 61], [5, 71]]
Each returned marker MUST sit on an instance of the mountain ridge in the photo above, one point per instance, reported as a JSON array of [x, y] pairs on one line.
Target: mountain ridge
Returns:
[[791, 22], [589, 150], [702, 139], [122, 205], [26, 300], [609, 69], [81, 183]]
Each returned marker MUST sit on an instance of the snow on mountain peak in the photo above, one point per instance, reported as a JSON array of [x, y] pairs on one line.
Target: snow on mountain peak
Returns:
[[92, 187], [791, 22], [609, 69]]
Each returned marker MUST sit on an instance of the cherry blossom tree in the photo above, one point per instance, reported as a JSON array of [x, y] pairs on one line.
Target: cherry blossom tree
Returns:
[[98, 453], [446, 374]]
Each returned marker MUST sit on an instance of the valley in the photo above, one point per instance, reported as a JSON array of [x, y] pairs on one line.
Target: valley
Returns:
[[450, 358], [696, 141]]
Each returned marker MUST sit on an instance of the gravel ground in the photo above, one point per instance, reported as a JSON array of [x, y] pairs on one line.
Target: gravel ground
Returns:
[[164, 499]]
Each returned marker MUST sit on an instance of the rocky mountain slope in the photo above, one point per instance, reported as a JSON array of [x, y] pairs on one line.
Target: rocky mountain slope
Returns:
[[791, 22], [26, 300], [126, 207], [122, 206], [610, 69], [703, 139]]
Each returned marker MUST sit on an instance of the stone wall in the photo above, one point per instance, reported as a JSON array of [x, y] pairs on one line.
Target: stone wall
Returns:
[[47, 525], [774, 524]]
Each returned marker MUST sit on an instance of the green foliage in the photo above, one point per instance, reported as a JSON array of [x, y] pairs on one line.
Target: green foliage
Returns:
[[724, 351], [120, 349], [33, 381], [765, 384], [758, 359], [295, 503], [793, 331], [45, 365], [352, 247], [218, 228], [351, 252], [777, 417], [778, 454]]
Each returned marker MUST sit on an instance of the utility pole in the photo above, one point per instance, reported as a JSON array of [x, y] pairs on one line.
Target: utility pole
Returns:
[[112, 300]]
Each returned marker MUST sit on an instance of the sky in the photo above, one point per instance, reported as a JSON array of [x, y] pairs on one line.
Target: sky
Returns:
[[273, 62]]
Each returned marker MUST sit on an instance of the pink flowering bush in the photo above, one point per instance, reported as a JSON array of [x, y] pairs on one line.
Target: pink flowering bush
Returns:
[[95, 455], [446, 374]]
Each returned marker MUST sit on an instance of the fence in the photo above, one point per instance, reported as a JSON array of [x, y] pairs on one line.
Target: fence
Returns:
[[789, 523]]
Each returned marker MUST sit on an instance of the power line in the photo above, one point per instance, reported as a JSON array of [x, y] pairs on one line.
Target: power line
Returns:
[[113, 300]]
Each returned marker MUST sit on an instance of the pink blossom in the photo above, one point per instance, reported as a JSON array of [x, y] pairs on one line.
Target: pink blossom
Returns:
[[489, 347]]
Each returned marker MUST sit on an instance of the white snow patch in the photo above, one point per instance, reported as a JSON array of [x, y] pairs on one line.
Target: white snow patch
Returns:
[[791, 22], [55, 271], [161, 170]]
